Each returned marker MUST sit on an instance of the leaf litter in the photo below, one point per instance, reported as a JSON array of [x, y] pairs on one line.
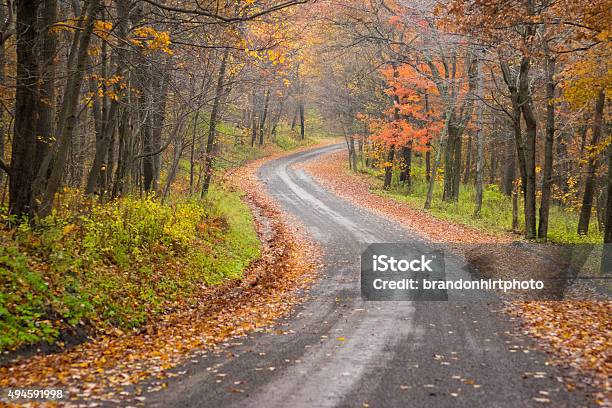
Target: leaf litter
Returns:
[[102, 368]]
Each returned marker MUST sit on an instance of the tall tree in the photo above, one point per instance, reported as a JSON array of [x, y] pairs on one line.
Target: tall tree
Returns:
[[593, 161], [23, 167], [212, 131]]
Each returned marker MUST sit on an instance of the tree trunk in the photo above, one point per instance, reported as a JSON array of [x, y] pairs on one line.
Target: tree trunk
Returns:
[[493, 152], [509, 168], [548, 149], [212, 131], [294, 119], [608, 217], [457, 165], [447, 192], [68, 115], [99, 165], [302, 119], [452, 163], [606, 259], [564, 173], [428, 162], [515, 220], [389, 168], [46, 108], [525, 148], [428, 152], [479, 144], [277, 118], [353, 153], [589, 185], [405, 175], [123, 154], [436, 164], [300, 111], [254, 119], [192, 152], [2, 123], [468, 159], [158, 116], [176, 158], [23, 164], [530, 176], [264, 116]]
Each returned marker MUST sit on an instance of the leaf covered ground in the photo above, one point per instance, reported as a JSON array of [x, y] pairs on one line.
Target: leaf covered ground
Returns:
[[102, 368], [577, 335]]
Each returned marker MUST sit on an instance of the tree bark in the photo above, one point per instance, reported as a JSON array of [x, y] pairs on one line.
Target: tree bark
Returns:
[[428, 152], [436, 164], [294, 119], [589, 184], [479, 143], [68, 115], [509, 168], [124, 154], [302, 119], [176, 158], [101, 167], [608, 217], [515, 220], [548, 149], [405, 175], [519, 88], [46, 108], [389, 168], [606, 259], [254, 119], [300, 87], [192, 152], [428, 162], [212, 131], [23, 164], [158, 116], [564, 139], [493, 151], [468, 160], [2, 123], [264, 116], [354, 153], [277, 118]]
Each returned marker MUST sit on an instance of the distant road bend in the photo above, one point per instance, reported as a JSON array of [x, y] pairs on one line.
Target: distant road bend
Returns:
[[340, 351]]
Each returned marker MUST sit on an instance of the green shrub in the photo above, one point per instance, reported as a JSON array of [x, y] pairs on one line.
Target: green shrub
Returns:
[[118, 264]]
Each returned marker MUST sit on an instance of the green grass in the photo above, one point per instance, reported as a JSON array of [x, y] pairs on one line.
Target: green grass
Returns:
[[290, 140], [496, 213], [235, 144], [119, 264]]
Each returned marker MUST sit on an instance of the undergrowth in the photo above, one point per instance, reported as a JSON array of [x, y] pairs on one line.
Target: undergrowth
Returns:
[[496, 213], [118, 264]]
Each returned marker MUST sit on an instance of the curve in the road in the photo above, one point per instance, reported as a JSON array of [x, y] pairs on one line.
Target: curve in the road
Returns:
[[338, 350]]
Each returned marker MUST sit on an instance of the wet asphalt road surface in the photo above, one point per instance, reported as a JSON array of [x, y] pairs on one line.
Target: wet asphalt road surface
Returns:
[[337, 350]]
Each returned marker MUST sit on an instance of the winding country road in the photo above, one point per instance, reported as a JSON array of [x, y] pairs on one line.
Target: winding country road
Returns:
[[337, 350]]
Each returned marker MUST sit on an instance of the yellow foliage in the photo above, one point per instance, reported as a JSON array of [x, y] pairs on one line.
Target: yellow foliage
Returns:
[[152, 39], [585, 78], [102, 28]]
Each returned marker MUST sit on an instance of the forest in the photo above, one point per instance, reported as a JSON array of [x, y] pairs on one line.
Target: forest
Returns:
[[124, 125], [492, 97], [100, 98]]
